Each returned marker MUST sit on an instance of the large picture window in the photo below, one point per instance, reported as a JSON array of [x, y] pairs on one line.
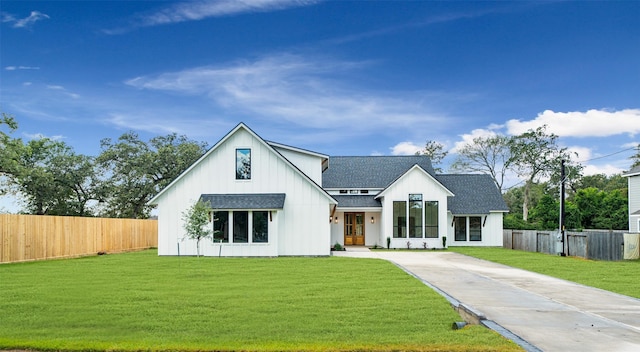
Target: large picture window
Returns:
[[431, 219], [240, 226], [475, 228], [415, 215], [260, 227], [221, 226], [460, 228], [399, 219], [243, 164]]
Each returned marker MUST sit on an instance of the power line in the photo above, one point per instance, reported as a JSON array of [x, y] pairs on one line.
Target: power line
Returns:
[[608, 155]]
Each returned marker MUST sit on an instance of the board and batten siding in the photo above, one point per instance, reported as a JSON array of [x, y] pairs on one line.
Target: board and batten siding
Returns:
[[310, 164], [415, 181], [634, 203], [294, 230], [492, 233]]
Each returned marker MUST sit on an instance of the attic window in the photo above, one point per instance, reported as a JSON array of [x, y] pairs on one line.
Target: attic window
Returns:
[[243, 164], [343, 191], [354, 191], [364, 191]]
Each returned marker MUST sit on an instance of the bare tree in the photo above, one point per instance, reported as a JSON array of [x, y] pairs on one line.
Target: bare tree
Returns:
[[488, 155], [435, 151]]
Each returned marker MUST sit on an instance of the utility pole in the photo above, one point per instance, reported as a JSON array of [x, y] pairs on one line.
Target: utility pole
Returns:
[[565, 241]]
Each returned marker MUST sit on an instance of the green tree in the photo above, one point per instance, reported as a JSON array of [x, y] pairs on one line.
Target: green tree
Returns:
[[196, 223], [613, 214], [546, 214], [47, 175], [10, 148], [488, 155], [535, 155], [136, 170], [435, 151]]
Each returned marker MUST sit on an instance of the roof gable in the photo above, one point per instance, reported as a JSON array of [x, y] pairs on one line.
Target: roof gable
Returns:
[[423, 171], [370, 171], [241, 126], [633, 172], [474, 194]]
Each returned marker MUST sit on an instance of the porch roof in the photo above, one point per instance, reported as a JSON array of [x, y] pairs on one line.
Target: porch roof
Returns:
[[357, 201], [245, 201]]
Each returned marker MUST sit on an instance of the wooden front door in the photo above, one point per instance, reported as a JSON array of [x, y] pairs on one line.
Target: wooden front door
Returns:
[[354, 229]]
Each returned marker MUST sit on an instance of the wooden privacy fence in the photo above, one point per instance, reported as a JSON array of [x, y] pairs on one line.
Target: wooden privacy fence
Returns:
[[34, 237], [601, 245]]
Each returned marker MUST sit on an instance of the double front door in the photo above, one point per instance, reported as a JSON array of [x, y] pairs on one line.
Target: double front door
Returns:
[[354, 229]]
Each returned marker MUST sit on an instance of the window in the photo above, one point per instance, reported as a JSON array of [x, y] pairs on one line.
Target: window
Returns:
[[220, 226], [461, 228], [415, 215], [343, 191], [243, 164], [399, 219], [240, 226], [364, 191], [475, 228], [260, 227], [431, 219]]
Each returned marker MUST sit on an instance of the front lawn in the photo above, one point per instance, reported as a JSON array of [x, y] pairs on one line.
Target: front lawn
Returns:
[[139, 301], [620, 277]]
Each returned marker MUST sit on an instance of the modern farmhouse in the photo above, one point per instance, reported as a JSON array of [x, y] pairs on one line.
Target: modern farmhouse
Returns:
[[634, 198], [270, 199]]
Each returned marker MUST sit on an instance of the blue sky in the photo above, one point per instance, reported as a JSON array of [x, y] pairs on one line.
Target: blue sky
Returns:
[[336, 77]]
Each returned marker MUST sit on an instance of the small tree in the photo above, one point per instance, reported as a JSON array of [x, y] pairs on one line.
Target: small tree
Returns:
[[196, 221]]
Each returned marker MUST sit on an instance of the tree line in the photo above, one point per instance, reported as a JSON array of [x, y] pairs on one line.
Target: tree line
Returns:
[[592, 202], [52, 179]]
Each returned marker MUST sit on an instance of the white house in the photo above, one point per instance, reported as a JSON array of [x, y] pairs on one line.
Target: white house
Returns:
[[270, 199], [634, 198]]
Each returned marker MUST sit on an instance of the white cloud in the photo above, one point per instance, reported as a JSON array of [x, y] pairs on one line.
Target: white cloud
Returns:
[[405, 148], [592, 123], [468, 138], [199, 10], [297, 90], [26, 22], [63, 90], [13, 68], [606, 169], [42, 136]]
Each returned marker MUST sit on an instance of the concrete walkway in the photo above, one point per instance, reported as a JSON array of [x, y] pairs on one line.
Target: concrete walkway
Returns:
[[546, 313]]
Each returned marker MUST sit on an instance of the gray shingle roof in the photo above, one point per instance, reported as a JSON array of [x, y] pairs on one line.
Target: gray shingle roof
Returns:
[[474, 194], [245, 201], [357, 201], [370, 171]]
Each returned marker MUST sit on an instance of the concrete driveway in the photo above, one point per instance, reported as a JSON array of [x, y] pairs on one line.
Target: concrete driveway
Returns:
[[543, 313]]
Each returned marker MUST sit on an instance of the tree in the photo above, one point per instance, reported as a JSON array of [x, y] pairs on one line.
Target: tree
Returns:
[[53, 179], [489, 155], [196, 222], [136, 170], [535, 154], [435, 151], [10, 148], [636, 158]]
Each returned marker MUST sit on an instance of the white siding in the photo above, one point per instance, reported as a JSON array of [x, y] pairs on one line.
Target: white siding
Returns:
[[634, 202], [415, 181], [294, 230], [491, 231], [311, 165]]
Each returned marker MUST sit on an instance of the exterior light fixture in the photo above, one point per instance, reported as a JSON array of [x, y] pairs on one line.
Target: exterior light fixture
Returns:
[[335, 219], [373, 221]]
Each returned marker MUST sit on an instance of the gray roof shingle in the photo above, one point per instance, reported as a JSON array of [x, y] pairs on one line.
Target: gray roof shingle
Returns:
[[245, 201], [358, 201], [474, 194], [370, 171]]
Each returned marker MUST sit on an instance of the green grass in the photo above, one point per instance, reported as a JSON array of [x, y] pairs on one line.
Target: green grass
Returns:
[[139, 301], [620, 277]]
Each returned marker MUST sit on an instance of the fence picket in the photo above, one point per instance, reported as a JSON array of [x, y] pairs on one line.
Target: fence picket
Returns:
[[35, 237]]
